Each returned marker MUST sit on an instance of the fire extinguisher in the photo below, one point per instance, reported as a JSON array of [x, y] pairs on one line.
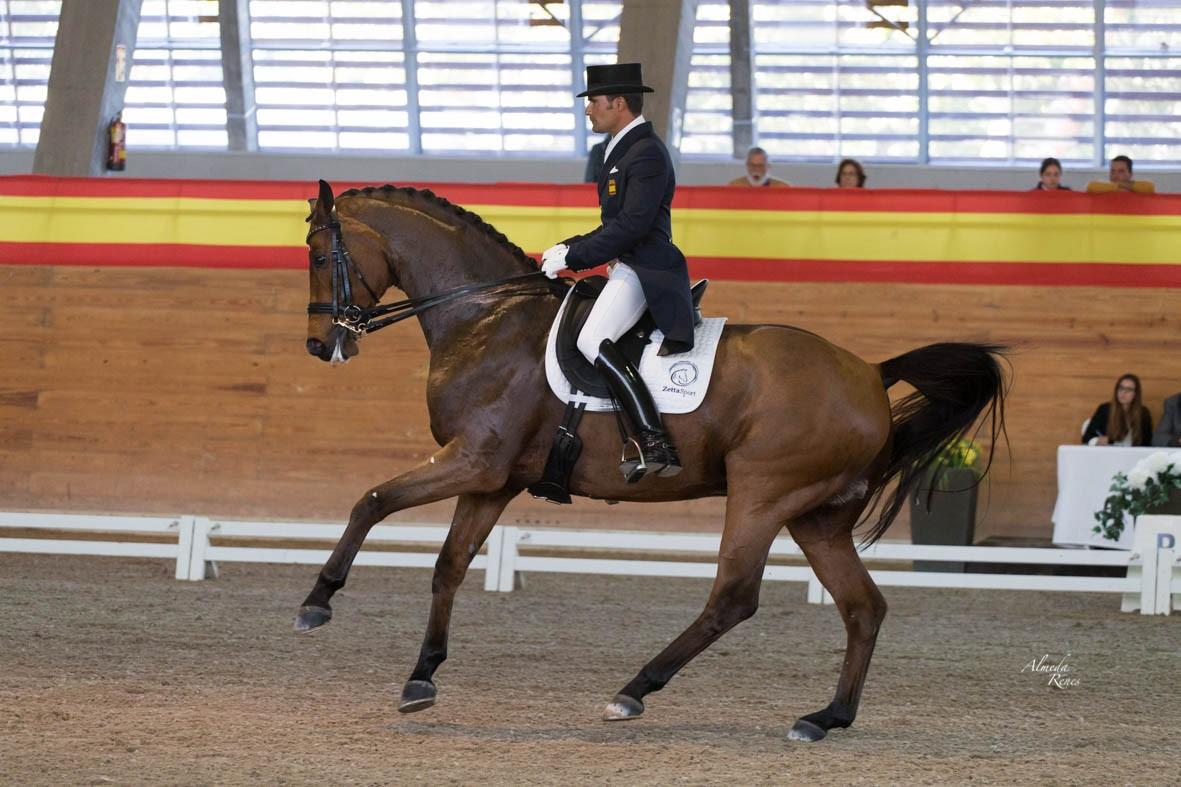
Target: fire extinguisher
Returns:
[[117, 144]]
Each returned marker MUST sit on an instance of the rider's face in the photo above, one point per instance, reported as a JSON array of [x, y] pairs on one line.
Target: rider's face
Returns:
[[605, 115]]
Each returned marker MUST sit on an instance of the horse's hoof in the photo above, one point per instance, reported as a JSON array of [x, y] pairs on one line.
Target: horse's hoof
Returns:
[[622, 708], [311, 618], [806, 731], [417, 695]]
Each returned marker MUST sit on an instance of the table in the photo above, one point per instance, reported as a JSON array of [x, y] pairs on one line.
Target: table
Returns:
[[1084, 478]]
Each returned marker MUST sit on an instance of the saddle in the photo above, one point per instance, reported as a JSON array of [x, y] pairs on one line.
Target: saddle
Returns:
[[580, 372], [585, 379]]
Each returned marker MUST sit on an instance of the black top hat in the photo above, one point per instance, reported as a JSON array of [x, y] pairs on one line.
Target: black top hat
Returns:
[[619, 79]]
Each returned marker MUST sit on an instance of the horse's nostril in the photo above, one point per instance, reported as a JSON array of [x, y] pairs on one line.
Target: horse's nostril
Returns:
[[315, 347]]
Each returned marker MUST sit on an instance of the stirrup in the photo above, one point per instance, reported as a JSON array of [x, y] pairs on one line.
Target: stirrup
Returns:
[[636, 468]]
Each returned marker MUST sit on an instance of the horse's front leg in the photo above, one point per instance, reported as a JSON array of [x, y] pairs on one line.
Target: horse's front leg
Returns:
[[453, 470], [475, 515]]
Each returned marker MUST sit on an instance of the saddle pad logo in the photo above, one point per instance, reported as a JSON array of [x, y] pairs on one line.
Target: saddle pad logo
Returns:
[[683, 373]]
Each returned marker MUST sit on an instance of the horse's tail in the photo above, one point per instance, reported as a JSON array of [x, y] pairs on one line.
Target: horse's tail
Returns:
[[954, 383]]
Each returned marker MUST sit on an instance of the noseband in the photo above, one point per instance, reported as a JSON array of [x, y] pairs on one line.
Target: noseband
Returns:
[[360, 319]]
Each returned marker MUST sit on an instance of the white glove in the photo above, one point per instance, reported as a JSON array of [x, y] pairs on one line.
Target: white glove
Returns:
[[553, 260]]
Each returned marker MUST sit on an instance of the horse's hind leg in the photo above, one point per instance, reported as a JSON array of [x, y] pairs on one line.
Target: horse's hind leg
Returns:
[[829, 548], [475, 515], [450, 472], [751, 527]]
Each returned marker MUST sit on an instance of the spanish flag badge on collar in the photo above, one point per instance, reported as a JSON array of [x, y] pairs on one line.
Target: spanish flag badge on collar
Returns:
[[611, 187]]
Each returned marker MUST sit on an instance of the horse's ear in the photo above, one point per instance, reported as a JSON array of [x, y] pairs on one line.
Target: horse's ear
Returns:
[[325, 202]]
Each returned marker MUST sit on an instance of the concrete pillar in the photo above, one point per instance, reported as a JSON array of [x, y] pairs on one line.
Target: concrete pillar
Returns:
[[88, 78], [741, 81], [237, 69], [659, 35]]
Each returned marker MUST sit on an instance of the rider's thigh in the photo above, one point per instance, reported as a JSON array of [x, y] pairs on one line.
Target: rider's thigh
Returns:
[[618, 308]]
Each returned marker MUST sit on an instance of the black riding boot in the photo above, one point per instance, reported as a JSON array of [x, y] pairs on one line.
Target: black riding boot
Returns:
[[657, 453]]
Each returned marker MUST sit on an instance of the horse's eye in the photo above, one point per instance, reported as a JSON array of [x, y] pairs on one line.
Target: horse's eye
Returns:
[[320, 261]]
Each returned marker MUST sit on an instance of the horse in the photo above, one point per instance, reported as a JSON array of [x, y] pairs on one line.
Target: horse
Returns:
[[795, 432]]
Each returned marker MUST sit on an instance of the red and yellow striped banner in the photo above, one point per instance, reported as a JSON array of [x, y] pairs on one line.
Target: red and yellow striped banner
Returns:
[[979, 237]]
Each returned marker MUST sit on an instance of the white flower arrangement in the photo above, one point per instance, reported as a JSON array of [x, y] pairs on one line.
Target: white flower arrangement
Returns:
[[1145, 486]]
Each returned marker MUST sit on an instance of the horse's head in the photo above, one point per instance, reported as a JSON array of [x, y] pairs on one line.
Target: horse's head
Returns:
[[349, 271]]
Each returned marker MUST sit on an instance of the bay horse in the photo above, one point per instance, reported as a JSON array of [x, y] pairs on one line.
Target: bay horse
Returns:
[[794, 431]]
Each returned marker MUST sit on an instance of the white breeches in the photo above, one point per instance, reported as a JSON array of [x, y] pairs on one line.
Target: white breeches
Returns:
[[618, 308]]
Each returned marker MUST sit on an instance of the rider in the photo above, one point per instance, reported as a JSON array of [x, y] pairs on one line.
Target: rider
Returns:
[[646, 270]]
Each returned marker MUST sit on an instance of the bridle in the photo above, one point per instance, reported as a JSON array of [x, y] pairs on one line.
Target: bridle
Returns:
[[360, 319]]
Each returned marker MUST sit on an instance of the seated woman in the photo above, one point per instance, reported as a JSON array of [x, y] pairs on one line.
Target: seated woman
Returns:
[[1123, 420], [850, 174], [1050, 176]]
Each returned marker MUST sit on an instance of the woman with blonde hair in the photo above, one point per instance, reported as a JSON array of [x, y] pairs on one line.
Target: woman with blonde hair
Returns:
[[1123, 420]]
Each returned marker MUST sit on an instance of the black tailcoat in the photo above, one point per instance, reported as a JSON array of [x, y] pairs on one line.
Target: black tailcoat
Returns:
[[636, 186]]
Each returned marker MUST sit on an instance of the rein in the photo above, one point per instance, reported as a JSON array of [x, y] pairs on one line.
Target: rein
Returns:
[[359, 319]]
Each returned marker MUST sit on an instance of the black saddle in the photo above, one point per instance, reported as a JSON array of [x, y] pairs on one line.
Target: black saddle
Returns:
[[580, 372]]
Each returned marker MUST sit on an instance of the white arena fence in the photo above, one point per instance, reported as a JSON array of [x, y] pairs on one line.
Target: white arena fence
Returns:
[[1152, 583]]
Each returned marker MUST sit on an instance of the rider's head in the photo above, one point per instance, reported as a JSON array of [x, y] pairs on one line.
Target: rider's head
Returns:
[[614, 96], [611, 114]]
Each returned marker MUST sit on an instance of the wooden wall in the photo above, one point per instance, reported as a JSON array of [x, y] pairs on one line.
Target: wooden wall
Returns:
[[189, 391]]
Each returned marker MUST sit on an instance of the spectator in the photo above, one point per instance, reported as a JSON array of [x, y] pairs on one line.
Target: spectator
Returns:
[[594, 161], [1123, 420], [1168, 432], [1050, 176], [850, 174], [758, 172], [1120, 179]]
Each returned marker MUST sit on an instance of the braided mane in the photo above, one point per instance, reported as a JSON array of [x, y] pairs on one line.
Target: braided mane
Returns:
[[390, 193]]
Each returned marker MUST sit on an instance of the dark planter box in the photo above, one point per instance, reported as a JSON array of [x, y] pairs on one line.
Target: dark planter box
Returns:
[[951, 518], [1171, 507]]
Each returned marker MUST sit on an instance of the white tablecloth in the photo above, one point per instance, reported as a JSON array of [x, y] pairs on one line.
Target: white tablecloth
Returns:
[[1084, 478]]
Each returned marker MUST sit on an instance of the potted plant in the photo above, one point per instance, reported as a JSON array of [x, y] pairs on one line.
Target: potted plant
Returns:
[[1153, 486], [943, 504]]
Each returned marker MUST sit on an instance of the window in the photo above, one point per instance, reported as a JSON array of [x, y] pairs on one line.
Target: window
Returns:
[[1142, 112], [175, 96], [491, 79], [460, 76], [708, 126], [27, 31], [330, 75], [1011, 82], [1003, 82], [997, 81], [835, 79]]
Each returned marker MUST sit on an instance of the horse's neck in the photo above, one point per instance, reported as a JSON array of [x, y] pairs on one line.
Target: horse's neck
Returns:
[[446, 256], [486, 313], [487, 320], [450, 256]]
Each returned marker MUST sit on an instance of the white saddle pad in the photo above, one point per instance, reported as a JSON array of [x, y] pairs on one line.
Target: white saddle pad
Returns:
[[678, 382]]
